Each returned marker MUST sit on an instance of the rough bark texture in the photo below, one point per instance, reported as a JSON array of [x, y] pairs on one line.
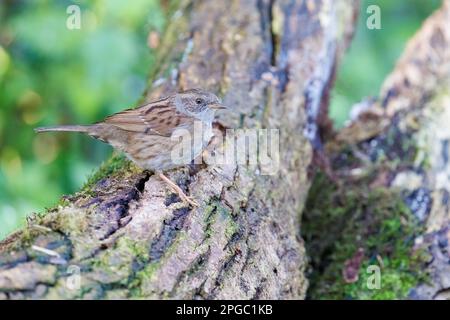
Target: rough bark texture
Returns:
[[126, 235], [399, 143]]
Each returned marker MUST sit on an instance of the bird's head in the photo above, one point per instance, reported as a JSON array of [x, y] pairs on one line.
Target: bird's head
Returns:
[[198, 103]]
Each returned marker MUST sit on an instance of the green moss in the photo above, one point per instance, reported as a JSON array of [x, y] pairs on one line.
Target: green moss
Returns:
[[210, 218], [123, 259], [214, 211], [339, 222], [129, 250], [109, 167], [115, 164], [148, 272], [70, 220], [27, 238], [63, 202], [136, 285], [139, 250], [231, 226]]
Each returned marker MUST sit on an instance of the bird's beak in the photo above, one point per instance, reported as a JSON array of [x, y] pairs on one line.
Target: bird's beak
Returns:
[[217, 106]]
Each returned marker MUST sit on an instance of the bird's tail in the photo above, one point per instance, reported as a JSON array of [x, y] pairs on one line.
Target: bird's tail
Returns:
[[74, 128]]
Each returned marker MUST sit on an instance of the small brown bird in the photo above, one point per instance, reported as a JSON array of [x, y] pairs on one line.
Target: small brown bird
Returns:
[[150, 135]]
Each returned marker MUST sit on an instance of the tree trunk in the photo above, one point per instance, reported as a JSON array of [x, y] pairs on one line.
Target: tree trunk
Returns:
[[125, 235], [395, 153]]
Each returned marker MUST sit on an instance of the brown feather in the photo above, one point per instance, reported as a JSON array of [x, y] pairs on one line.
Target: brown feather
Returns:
[[153, 118]]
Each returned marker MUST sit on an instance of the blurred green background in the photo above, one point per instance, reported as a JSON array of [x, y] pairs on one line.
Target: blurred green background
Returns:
[[52, 75], [373, 53]]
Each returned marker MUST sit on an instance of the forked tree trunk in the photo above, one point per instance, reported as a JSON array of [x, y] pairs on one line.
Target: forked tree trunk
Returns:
[[126, 235], [400, 144]]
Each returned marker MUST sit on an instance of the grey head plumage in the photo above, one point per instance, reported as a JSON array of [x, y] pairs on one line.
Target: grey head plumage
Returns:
[[198, 103]]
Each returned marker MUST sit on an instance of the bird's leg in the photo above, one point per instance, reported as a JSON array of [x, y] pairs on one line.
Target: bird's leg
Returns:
[[178, 190]]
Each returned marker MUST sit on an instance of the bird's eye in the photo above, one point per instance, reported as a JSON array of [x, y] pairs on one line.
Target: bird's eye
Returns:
[[199, 101]]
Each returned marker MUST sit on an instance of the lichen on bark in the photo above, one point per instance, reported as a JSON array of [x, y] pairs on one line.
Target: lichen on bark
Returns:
[[398, 146], [125, 235]]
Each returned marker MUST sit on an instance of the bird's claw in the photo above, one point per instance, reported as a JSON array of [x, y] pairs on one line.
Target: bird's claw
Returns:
[[190, 201], [179, 191]]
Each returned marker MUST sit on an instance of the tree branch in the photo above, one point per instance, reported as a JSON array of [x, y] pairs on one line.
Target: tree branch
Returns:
[[128, 236], [395, 153]]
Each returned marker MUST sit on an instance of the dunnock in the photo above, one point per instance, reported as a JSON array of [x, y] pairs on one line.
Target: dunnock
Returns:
[[146, 134]]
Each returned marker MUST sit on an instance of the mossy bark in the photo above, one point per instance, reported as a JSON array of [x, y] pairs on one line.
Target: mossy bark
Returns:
[[125, 235], [389, 206]]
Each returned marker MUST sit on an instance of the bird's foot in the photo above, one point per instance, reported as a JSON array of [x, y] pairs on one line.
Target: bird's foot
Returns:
[[188, 200], [177, 189]]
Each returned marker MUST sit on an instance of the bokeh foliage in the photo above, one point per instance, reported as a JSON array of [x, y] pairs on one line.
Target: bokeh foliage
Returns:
[[52, 75], [373, 53]]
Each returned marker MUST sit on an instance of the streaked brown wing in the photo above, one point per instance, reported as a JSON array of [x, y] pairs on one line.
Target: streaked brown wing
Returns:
[[158, 118]]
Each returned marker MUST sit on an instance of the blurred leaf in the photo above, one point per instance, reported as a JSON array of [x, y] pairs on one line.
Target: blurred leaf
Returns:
[[52, 75], [373, 53]]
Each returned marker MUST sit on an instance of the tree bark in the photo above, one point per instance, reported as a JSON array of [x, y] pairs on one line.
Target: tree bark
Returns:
[[125, 235], [398, 143]]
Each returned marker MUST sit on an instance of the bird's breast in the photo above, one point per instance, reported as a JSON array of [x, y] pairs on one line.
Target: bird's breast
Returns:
[[159, 153]]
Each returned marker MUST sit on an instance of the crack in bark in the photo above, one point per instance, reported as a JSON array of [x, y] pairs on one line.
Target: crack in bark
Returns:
[[168, 234], [259, 289], [120, 205], [198, 264], [226, 265]]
